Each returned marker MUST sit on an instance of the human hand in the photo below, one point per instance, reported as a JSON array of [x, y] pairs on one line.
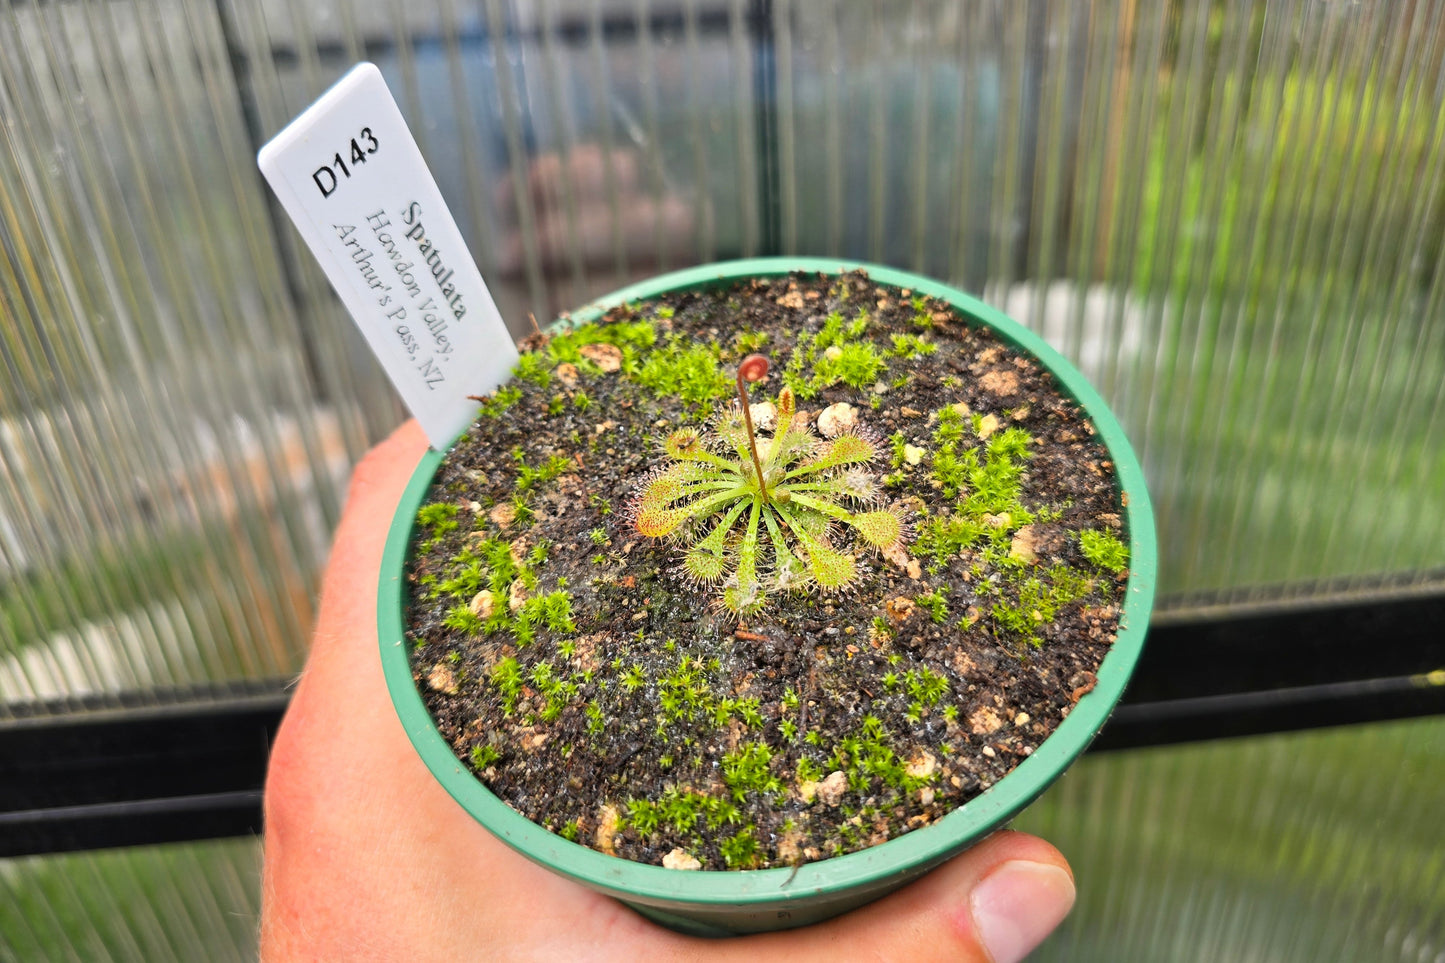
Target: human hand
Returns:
[[367, 858]]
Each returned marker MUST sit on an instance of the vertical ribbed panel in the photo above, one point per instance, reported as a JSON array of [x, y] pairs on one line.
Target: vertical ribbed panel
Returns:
[[1228, 215], [170, 472], [158, 904], [1322, 846]]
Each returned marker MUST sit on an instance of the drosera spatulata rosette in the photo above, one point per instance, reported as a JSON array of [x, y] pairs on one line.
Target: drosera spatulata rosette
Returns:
[[761, 522]]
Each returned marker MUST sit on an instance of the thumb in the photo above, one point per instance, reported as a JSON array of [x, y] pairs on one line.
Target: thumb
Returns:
[[991, 904]]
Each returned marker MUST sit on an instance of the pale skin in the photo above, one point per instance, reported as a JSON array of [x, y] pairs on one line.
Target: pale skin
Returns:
[[367, 858]]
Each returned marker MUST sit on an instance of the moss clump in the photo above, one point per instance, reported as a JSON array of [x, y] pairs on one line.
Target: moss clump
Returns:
[[685, 369], [436, 519], [1104, 550], [1037, 602], [836, 354], [628, 337]]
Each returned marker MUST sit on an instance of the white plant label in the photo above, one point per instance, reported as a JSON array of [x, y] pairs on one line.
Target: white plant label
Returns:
[[349, 174]]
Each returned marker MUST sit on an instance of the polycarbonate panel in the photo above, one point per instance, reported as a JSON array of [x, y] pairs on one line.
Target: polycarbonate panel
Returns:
[[172, 436], [1228, 214], [1322, 846], [159, 904]]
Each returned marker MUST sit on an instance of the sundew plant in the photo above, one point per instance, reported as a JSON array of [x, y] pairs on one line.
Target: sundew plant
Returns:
[[755, 515]]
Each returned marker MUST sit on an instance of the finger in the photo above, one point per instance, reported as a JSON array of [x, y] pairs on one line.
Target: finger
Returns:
[[992, 904]]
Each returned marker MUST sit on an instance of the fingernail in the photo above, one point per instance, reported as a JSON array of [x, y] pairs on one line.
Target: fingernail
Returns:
[[1017, 905]]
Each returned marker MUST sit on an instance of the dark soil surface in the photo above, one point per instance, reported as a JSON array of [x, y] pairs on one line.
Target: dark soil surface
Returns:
[[603, 692]]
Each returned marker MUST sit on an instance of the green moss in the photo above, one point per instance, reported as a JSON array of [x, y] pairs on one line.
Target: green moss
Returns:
[[934, 604], [835, 354], [568, 345], [553, 610], [749, 341], [462, 619], [468, 572], [926, 686], [943, 537], [437, 519], [634, 679], [809, 771], [1104, 550], [870, 762], [746, 769], [596, 720], [858, 365], [1037, 603], [897, 447], [740, 851], [530, 476], [506, 677], [502, 399], [682, 810], [911, 346], [686, 369], [533, 367]]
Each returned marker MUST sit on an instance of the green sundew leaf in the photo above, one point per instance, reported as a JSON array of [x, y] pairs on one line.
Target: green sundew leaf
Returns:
[[684, 443], [831, 568], [843, 450], [787, 408], [734, 434], [746, 599], [879, 529], [748, 550], [717, 538], [655, 519], [854, 485], [669, 486], [707, 560], [746, 596], [656, 522], [821, 505], [801, 521], [789, 571]]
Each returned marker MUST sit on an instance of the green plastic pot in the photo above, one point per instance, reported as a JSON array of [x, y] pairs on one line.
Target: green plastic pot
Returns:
[[723, 903]]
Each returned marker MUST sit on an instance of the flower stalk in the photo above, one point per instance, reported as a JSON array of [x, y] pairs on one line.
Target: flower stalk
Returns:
[[753, 368]]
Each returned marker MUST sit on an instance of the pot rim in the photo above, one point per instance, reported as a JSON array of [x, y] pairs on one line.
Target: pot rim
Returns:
[[781, 886]]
